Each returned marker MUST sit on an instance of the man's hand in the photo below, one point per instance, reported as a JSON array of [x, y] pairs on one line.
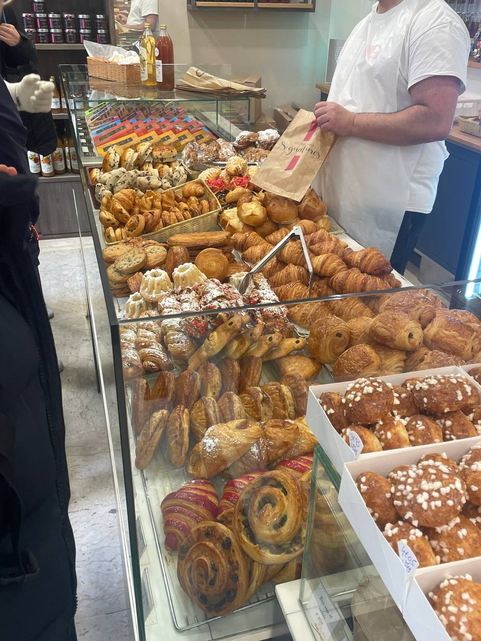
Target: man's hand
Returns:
[[9, 35], [11, 171], [34, 95], [332, 117]]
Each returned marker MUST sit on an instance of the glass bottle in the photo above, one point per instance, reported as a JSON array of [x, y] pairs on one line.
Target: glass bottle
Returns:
[[56, 104], [164, 53], [147, 58], [66, 147], [46, 163], [59, 158], [34, 162], [73, 156]]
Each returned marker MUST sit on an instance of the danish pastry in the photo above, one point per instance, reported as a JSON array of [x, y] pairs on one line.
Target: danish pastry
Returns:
[[177, 431], [402, 531], [250, 372], [233, 489], [376, 492], [187, 389], [296, 467]]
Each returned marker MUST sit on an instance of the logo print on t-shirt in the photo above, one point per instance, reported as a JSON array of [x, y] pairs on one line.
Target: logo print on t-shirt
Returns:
[[374, 51]]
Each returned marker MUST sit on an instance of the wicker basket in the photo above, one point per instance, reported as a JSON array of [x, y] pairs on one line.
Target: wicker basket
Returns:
[[470, 125], [98, 68]]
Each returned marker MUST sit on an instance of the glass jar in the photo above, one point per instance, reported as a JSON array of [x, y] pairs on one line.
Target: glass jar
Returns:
[[38, 7], [56, 36], [43, 36], [85, 21], [85, 34], [42, 21], [32, 35], [71, 36], [103, 37], [69, 21], [101, 22], [29, 20], [54, 21]]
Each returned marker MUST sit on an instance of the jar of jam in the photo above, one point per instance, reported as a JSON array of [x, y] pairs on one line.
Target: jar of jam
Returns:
[[42, 21], [56, 36], [38, 7], [101, 22], [69, 21], [85, 34], [103, 37], [54, 21], [43, 36], [71, 36], [29, 20], [32, 35], [85, 21]]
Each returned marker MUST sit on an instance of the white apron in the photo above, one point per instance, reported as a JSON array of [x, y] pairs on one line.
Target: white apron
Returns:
[[366, 184]]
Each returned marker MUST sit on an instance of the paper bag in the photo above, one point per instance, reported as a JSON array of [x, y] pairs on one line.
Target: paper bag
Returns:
[[195, 79], [296, 159]]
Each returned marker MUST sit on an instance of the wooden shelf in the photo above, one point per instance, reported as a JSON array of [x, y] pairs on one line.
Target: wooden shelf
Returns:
[[253, 4], [474, 65], [63, 47], [282, 5]]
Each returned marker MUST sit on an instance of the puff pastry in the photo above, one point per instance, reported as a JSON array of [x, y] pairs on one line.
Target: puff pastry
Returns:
[[369, 261], [230, 407], [149, 439], [210, 380], [397, 331], [257, 404], [204, 414], [282, 400], [217, 340], [357, 361], [305, 366], [239, 345], [328, 339], [415, 304], [177, 431], [300, 390], [448, 333]]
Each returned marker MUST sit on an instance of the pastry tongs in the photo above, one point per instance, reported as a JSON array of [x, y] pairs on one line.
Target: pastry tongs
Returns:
[[295, 231]]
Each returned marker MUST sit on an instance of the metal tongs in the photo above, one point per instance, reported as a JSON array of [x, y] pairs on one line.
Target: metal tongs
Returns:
[[295, 231]]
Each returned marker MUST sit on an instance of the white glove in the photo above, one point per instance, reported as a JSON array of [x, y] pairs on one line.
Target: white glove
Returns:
[[32, 94]]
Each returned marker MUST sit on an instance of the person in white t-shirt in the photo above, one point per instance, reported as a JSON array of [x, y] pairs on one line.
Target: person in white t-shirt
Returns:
[[142, 11], [392, 103]]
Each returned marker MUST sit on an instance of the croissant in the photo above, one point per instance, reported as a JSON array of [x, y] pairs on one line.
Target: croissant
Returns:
[[392, 360], [328, 265], [221, 446], [256, 253], [449, 334], [290, 274], [125, 198], [277, 236], [328, 339], [359, 328], [192, 189], [353, 281], [322, 236], [348, 308], [293, 253], [273, 267], [369, 261], [328, 246], [292, 291], [267, 228], [306, 314], [217, 340], [252, 239], [312, 207], [281, 210], [415, 304], [320, 289], [356, 362], [194, 502], [397, 331], [264, 344]]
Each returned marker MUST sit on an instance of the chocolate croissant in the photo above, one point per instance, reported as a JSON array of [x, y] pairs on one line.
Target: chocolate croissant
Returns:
[[328, 339], [446, 332], [415, 304], [369, 261], [397, 331]]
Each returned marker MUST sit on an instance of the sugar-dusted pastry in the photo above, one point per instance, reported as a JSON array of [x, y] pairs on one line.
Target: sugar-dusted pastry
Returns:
[[376, 492], [441, 394], [177, 435], [187, 388], [392, 433], [470, 466], [401, 531], [234, 488], [369, 440], [210, 380], [196, 501], [456, 425], [328, 339], [283, 406], [257, 404], [455, 541], [473, 513], [296, 467], [203, 415], [333, 404], [155, 358], [305, 366], [221, 446], [300, 390], [216, 341], [423, 430], [475, 372], [150, 438], [230, 407], [211, 569], [155, 283], [450, 334], [457, 603], [357, 361], [230, 373], [369, 261], [417, 495], [163, 391], [368, 401], [396, 330], [269, 520], [246, 139], [442, 461], [141, 405], [312, 207], [187, 275]]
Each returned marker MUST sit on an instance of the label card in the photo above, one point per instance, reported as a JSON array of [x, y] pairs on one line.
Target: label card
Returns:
[[408, 558], [355, 443]]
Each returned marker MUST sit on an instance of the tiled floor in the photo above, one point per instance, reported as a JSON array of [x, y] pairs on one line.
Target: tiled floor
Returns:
[[102, 612]]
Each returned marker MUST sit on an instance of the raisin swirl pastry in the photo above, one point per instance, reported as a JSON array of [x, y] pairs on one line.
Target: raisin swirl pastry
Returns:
[[212, 570], [268, 519]]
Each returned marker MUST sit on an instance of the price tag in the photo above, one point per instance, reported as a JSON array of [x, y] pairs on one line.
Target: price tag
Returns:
[[326, 618], [355, 443], [408, 558]]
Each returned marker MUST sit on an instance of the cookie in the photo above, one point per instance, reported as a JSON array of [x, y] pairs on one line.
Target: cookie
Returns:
[[132, 261], [112, 253], [115, 276], [156, 256]]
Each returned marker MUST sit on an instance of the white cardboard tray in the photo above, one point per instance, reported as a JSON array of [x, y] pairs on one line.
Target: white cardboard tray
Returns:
[[335, 447], [415, 607]]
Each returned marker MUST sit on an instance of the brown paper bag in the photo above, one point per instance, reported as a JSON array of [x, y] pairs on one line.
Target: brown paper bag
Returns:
[[296, 159]]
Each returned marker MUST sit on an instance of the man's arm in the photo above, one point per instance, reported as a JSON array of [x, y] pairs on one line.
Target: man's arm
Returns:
[[430, 117], [151, 19]]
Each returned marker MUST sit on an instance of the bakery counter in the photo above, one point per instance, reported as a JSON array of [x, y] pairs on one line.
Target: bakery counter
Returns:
[[458, 137]]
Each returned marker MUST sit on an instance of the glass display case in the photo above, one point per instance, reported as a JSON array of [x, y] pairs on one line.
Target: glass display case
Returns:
[[205, 371]]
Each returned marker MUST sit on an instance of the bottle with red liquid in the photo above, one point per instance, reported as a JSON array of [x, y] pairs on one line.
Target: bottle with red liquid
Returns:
[[164, 53]]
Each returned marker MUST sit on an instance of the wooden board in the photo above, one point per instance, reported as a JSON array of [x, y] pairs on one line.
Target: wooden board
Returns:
[[466, 140]]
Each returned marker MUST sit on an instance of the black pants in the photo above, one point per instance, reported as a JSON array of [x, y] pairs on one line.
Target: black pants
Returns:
[[407, 239]]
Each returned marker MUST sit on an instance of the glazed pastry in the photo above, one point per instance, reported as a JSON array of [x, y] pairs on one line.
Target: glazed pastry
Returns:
[[471, 473], [327, 265], [257, 404], [305, 442], [163, 391], [282, 400], [456, 602], [305, 366], [195, 502], [135, 307], [359, 328], [217, 340], [176, 256], [150, 438], [376, 493], [415, 304], [404, 404], [210, 380], [402, 531], [177, 435], [368, 401], [299, 388], [312, 207], [268, 519], [397, 331], [457, 540], [213, 575], [450, 334], [264, 345], [187, 275], [440, 394], [290, 274], [187, 389], [333, 405], [203, 415], [392, 360], [296, 467], [456, 425], [369, 440], [141, 407], [417, 496], [369, 261], [392, 433], [135, 226], [221, 446], [250, 372], [234, 488], [281, 210], [230, 408], [328, 339], [434, 358], [239, 345], [357, 361], [230, 374], [212, 263]]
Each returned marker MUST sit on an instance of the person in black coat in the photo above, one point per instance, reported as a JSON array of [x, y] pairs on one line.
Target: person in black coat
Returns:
[[16, 49]]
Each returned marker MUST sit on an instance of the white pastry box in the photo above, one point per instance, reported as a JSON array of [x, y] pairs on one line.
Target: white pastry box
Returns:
[[335, 447], [411, 597]]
